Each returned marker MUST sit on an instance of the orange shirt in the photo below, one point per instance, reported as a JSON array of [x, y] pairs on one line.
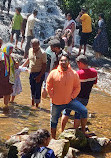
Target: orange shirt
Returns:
[[86, 23], [62, 86]]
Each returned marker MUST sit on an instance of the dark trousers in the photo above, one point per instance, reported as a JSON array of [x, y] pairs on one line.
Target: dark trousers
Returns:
[[35, 86]]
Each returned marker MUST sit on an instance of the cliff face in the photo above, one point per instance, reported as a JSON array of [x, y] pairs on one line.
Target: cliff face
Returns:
[[49, 15]]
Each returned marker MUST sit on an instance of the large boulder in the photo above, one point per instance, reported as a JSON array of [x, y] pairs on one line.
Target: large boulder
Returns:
[[60, 147], [76, 138], [19, 137]]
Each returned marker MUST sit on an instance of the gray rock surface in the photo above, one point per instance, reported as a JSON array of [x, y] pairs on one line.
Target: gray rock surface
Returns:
[[60, 147]]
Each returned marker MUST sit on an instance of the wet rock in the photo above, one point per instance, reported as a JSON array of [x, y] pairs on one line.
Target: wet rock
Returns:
[[76, 138], [98, 144], [60, 147], [71, 153]]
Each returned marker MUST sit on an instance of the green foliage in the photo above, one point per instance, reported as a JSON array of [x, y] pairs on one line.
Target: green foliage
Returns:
[[74, 6], [100, 6], [94, 8]]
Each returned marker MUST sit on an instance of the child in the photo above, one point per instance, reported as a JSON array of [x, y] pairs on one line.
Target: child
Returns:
[[17, 88], [16, 25], [36, 145], [68, 41]]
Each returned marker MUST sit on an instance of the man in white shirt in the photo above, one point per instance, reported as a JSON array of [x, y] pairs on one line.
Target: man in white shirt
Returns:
[[29, 31]]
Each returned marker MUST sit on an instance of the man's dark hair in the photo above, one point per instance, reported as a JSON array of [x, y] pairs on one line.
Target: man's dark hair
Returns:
[[69, 14], [84, 9], [65, 55], [55, 43], [18, 9], [35, 12], [83, 59], [101, 15]]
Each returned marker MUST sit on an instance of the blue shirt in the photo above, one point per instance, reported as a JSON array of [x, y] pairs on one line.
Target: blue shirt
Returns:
[[49, 154]]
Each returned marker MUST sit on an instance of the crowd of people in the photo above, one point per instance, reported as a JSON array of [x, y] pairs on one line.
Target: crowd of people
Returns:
[[51, 73]]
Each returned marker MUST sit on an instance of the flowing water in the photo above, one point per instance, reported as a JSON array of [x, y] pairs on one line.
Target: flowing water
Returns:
[[21, 115]]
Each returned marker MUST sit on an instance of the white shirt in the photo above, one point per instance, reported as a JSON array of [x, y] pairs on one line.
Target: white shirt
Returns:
[[30, 25]]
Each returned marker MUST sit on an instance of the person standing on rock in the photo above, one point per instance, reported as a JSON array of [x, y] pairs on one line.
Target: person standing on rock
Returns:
[[70, 24], [85, 19], [88, 77], [63, 86], [29, 31], [16, 25], [37, 60], [9, 4]]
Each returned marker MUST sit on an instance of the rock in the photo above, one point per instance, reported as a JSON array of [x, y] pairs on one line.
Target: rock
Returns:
[[60, 147], [71, 153], [16, 138], [19, 145], [76, 138], [99, 144], [24, 131], [19, 137]]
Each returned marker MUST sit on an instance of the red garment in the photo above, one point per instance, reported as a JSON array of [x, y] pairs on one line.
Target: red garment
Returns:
[[88, 77]]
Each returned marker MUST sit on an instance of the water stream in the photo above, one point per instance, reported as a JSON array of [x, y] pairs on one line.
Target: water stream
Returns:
[[21, 115]]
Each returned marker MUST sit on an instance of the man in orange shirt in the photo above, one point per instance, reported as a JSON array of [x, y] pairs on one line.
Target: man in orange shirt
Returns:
[[63, 86], [85, 19]]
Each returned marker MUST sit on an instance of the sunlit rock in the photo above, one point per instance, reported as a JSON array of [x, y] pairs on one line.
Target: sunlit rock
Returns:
[[76, 138]]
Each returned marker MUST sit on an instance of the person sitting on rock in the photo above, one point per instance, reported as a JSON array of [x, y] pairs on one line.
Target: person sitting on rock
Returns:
[[36, 145]]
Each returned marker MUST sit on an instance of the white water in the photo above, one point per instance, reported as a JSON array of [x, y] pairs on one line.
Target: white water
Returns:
[[49, 14]]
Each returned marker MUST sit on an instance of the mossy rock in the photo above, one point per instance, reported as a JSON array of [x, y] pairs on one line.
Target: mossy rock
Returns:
[[76, 138]]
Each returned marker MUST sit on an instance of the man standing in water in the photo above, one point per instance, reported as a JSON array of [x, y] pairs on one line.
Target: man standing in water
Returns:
[[88, 77], [37, 64], [29, 31], [63, 86], [85, 19]]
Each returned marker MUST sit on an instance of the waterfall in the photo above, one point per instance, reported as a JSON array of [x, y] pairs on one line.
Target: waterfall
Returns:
[[49, 14]]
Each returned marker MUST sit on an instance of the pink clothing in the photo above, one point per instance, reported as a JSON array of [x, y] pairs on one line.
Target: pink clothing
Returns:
[[62, 86]]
